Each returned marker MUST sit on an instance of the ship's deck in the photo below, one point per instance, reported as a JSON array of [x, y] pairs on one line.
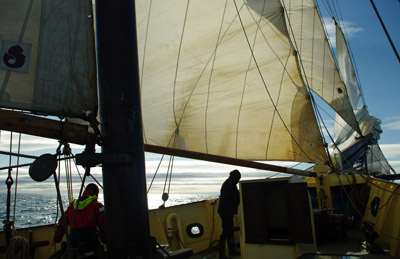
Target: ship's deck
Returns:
[[349, 248]]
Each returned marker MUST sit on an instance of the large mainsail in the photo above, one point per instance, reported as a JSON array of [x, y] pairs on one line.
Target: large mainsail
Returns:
[[228, 78], [225, 78], [47, 56]]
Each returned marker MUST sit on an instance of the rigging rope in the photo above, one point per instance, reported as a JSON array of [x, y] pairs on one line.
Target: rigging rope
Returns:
[[386, 32], [366, 206], [155, 173], [16, 178], [363, 203], [28, 164], [348, 197], [170, 166], [8, 225], [384, 159], [68, 170], [378, 160], [19, 248], [165, 194], [177, 63], [18, 154], [87, 172], [59, 174], [265, 85], [168, 177], [339, 18]]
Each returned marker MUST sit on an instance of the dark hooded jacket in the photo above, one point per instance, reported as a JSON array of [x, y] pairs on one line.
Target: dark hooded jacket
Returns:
[[229, 198]]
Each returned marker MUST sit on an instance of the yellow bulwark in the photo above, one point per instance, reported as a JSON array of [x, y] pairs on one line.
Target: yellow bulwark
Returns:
[[387, 216]]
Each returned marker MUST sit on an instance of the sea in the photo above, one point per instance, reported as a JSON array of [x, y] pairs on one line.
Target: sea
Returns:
[[41, 208]]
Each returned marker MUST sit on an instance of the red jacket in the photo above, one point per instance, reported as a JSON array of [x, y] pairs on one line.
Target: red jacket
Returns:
[[92, 216]]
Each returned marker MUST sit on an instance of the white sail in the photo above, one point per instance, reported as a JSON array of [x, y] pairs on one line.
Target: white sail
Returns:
[[346, 139], [223, 78], [346, 68], [47, 57], [317, 61], [342, 131]]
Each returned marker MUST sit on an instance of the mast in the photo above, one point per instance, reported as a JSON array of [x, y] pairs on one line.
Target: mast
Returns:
[[126, 210]]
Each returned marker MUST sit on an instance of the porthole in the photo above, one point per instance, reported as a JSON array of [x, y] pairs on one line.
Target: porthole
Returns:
[[375, 206], [195, 230]]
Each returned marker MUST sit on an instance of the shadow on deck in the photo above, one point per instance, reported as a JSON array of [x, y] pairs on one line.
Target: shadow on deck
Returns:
[[350, 248]]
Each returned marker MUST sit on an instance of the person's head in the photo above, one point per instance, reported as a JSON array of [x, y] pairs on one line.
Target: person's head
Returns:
[[235, 175], [91, 189]]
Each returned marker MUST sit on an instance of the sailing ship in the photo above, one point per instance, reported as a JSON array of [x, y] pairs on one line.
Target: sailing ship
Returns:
[[227, 81]]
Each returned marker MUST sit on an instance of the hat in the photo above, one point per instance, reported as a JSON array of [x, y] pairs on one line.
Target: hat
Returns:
[[235, 173], [93, 187]]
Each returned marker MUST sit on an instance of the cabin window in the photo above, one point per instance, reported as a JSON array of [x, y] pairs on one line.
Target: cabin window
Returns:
[[375, 206], [276, 212], [195, 230]]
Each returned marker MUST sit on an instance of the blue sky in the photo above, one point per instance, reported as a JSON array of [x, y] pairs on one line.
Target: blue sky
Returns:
[[379, 73]]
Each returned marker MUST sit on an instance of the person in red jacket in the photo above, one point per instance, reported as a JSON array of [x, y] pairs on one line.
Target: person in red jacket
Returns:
[[89, 220]]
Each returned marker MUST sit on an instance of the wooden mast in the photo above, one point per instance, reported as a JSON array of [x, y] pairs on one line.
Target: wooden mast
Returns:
[[125, 198]]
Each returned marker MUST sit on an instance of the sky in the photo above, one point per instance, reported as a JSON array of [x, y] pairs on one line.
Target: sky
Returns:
[[379, 74]]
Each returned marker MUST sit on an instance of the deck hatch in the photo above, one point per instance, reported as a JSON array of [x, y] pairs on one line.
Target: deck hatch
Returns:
[[276, 212]]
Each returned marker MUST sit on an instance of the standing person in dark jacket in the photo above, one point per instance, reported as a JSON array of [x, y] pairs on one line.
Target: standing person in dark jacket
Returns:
[[89, 219], [228, 207]]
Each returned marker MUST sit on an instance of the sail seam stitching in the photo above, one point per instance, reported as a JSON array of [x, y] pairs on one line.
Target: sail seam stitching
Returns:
[[197, 81], [262, 78], [211, 74]]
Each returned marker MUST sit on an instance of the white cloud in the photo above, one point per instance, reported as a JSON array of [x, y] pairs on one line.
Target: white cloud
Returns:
[[391, 151], [392, 154], [349, 29], [392, 126], [395, 165], [392, 123], [28, 143]]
